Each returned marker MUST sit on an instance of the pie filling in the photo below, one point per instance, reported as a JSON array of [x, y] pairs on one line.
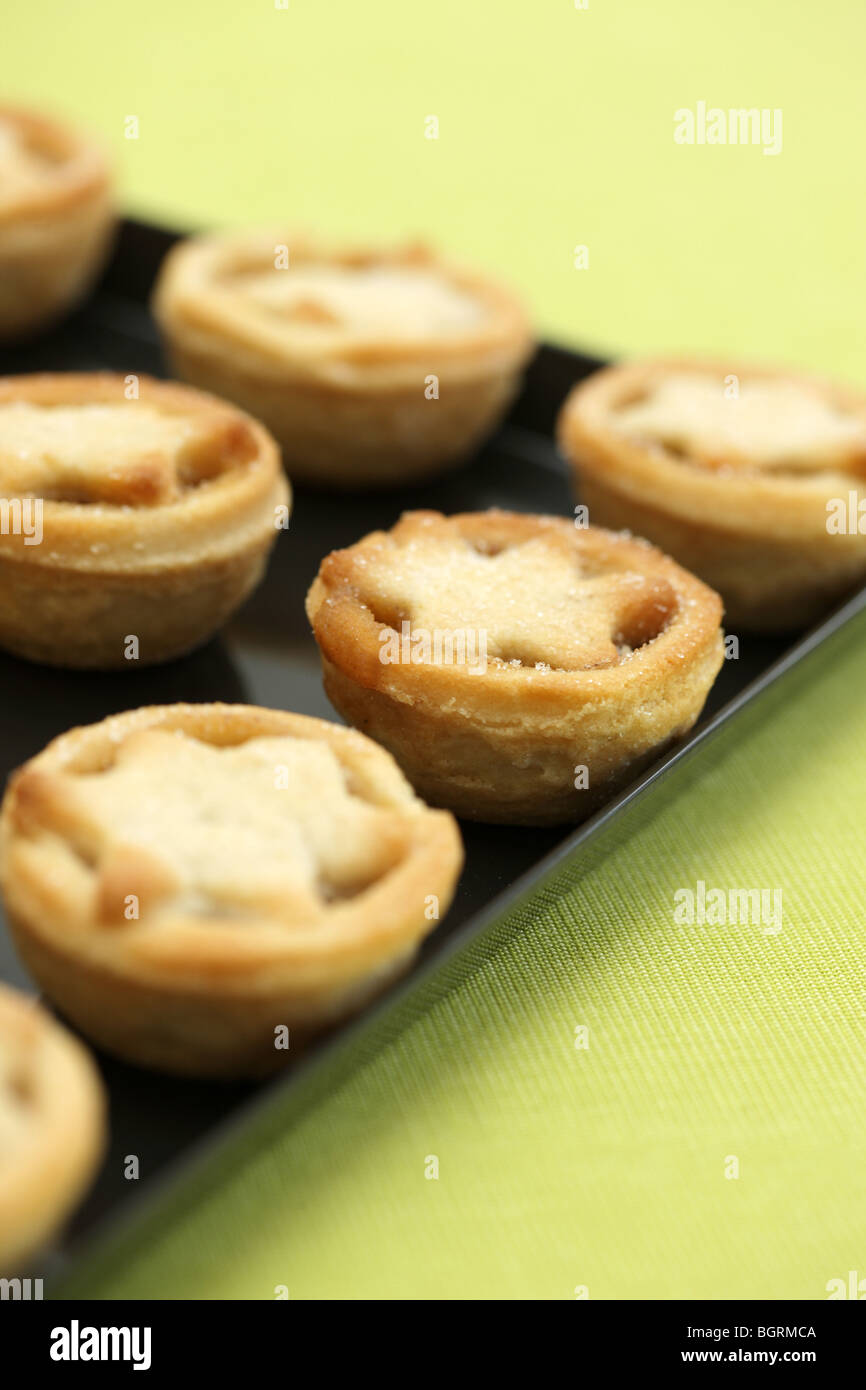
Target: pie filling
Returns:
[[534, 603], [764, 426], [380, 300], [128, 454], [267, 829]]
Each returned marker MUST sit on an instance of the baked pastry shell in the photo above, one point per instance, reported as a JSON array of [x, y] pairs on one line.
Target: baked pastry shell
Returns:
[[170, 575], [759, 539], [503, 746], [197, 996], [40, 1185], [53, 241], [345, 415]]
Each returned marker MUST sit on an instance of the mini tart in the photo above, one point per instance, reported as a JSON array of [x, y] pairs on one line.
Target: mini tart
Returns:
[[735, 471], [56, 219], [52, 1126], [337, 353], [157, 516], [579, 649], [281, 869]]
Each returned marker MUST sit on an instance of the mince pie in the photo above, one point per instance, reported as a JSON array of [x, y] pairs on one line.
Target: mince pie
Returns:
[[754, 479], [135, 516], [200, 888], [371, 367], [519, 668], [52, 1126], [56, 218]]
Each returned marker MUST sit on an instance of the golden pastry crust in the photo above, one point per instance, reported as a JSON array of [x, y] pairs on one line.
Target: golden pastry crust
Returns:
[[734, 486], [157, 516], [56, 218], [598, 650], [52, 1126], [282, 870], [337, 352]]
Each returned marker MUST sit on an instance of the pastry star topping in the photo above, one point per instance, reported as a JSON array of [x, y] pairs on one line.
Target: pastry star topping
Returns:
[[733, 469], [339, 350], [130, 454], [596, 651], [268, 828], [533, 601], [204, 887], [402, 301], [767, 425]]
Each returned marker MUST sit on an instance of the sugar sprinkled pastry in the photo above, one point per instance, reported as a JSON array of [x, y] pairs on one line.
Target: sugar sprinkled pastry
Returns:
[[372, 366], [519, 668], [201, 888], [753, 478], [133, 511]]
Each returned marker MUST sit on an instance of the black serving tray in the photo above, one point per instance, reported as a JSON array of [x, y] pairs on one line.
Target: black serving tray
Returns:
[[266, 656]]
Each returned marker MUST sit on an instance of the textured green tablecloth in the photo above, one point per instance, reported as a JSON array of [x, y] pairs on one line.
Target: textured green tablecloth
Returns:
[[560, 1168]]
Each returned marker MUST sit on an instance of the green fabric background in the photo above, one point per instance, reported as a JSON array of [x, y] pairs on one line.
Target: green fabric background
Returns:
[[558, 1168]]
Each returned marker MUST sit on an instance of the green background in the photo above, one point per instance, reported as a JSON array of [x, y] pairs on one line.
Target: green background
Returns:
[[559, 1168]]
